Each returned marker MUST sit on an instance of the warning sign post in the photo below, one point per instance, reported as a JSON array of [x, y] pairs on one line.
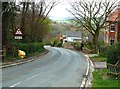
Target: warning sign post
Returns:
[[18, 34]]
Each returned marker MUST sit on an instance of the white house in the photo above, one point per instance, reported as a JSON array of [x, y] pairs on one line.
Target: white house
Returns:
[[73, 36]]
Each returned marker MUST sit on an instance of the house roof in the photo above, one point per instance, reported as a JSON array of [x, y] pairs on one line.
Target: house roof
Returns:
[[73, 34], [115, 15]]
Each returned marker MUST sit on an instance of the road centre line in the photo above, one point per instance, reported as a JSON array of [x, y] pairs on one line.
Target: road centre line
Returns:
[[24, 80], [15, 84]]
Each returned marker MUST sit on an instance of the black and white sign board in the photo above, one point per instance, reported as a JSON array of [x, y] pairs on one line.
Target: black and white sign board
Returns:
[[18, 34], [18, 37]]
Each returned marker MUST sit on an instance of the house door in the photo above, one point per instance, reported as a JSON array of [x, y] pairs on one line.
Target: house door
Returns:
[[111, 40]]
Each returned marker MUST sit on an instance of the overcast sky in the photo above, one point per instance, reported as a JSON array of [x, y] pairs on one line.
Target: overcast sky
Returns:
[[59, 11]]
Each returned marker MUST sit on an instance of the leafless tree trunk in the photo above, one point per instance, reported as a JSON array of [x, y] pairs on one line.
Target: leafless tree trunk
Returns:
[[34, 14], [92, 15], [40, 12], [23, 16], [32, 22]]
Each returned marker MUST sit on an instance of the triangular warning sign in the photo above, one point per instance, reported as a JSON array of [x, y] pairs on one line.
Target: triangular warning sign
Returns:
[[18, 32]]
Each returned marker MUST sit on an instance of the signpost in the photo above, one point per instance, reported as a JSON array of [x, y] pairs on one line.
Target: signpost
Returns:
[[18, 34]]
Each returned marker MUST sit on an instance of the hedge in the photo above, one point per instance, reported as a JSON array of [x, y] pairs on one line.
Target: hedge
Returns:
[[113, 53], [29, 48]]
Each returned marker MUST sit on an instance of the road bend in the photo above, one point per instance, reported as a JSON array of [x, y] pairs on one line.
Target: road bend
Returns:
[[59, 68]]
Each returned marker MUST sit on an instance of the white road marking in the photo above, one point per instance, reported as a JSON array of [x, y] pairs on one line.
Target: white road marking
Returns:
[[83, 82], [88, 64], [24, 80], [37, 69], [15, 84]]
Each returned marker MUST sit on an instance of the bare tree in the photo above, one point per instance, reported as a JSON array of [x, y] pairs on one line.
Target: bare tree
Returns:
[[34, 14], [45, 8], [92, 15], [25, 7], [40, 12]]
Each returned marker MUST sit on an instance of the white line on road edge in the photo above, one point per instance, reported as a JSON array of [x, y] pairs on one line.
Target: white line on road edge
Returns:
[[24, 80], [87, 71]]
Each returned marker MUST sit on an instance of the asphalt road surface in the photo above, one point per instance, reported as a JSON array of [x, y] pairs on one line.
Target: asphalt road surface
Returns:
[[59, 68]]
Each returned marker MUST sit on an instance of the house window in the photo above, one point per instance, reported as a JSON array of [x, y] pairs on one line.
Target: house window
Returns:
[[106, 29], [112, 27], [111, 40]]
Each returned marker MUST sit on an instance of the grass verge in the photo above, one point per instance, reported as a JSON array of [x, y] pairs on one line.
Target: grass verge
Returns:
[[98, 59], [104, 80]]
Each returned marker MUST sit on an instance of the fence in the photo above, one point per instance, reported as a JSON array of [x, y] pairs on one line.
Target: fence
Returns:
[[2, 55], [114, 68]]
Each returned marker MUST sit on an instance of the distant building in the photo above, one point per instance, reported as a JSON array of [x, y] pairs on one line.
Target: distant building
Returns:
[[112, 30], [73, 36]]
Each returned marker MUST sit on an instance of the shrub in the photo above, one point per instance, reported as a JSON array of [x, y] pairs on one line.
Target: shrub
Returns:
[[11, 50], [59, 44], [76, 45], [88, 45], [113, 53], [54, 42], [28, 48], [103, 51], [31, 47], [51, 43]]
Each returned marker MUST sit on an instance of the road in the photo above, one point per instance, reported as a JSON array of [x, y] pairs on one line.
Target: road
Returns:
[[59, 68]]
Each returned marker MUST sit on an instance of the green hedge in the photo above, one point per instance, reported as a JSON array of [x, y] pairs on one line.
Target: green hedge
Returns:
[[54, 42], [31, 47], [59, 44], [103, 51], [88, 45], [113, 53]]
